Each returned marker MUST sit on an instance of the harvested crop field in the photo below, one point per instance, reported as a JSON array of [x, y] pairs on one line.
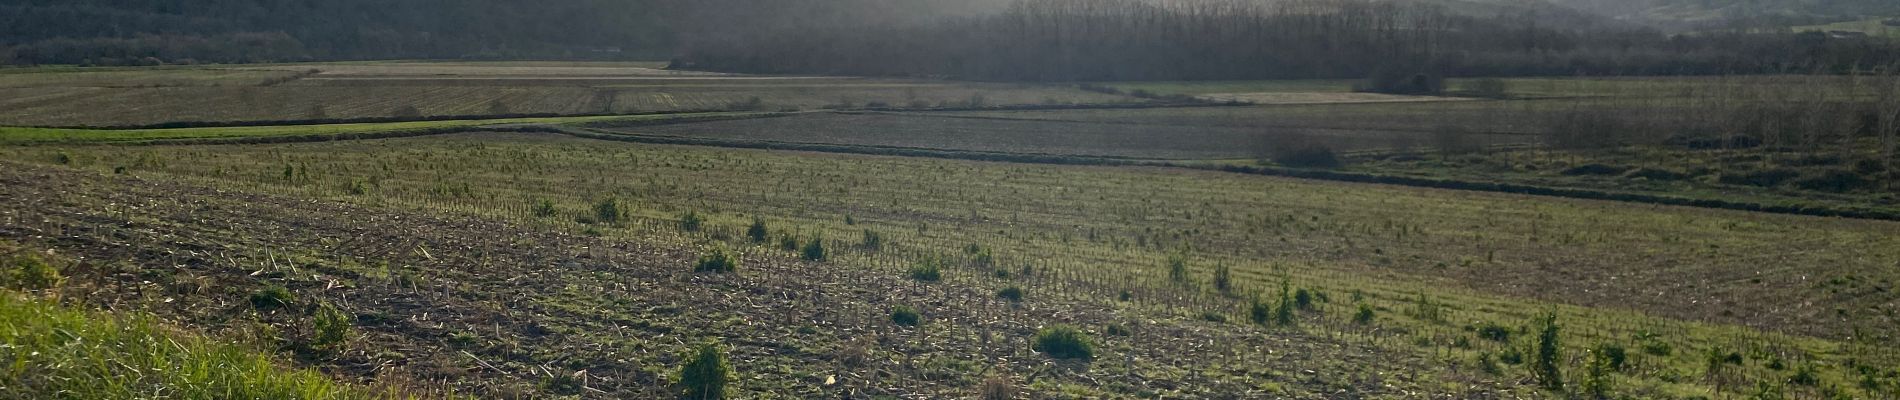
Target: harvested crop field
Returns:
[[496, 309], [312, 92], [1087, 238], [1052, 136]]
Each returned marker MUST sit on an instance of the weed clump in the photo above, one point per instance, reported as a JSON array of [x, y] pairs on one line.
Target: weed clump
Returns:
[[788, 243], [1011, 293], [705, 375], [332, 327], [718, 260], [1549, 354], [1177, 269], [30, 272], [1223, 279], [1364, 316], [544, 209], [1064, 342], [608, 211], [815, 250], [906, 316], [690, 221], [757, 231], [272, 297], [872, 240], [926, 271]]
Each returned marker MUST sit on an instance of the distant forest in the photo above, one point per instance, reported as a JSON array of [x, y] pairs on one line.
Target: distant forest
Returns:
[[1031, 40], [123, 32], [1102, 40]]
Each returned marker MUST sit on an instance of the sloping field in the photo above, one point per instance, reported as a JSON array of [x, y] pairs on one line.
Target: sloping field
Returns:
[[1448, 278]]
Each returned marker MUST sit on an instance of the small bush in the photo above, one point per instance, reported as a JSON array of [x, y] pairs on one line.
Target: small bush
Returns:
[[1364, 316], [1011, 293], [1223, 279], [906, 316], [1259, 312], [1177, 269], [788, 243], [1549, 355], [332, 327], [814, 250], [1215, 317], [1511, 355], [30, 272], [690, 221], [1064, 342], [1658, 348], [1616, 355], [926, 271], [544, 209], [608, 211], [705, 375], [718, 260], [757, 231], [872, 240], [1495, 333], [1303, 299], [272, 297], [1117, 330], [1805, 376]]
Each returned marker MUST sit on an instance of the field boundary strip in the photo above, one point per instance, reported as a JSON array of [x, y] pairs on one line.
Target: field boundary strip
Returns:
[[1297, 173]]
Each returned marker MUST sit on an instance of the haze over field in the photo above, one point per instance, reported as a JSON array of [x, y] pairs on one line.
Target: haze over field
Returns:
[[922, 199]]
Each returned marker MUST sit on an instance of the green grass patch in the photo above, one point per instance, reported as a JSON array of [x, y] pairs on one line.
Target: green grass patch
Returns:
[[48, 351]]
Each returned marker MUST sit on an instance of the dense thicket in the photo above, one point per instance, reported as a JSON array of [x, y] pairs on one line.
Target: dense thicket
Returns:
[[1063, 40]]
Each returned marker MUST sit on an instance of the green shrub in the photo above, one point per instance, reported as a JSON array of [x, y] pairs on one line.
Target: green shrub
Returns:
[[705, 375], [1303, 299], [1549, 355], [1063, 342], [1212, 316], [332, 327], [1488, 364], [1364, 316], [906, 316], [788, 243], [1495, 333], [1658, 348], [690, 221], [1615, 354], [544, 208], [1511, 355], [718, 260], [1259, 312], [1805, 376], [926, 271], [608, 211], [1223, 279], [1283, 314], [757, 231], [1011, 293], [814, 250], [1177, 268], [872, 240], [30, 272], [1597, 381], [272, 297]]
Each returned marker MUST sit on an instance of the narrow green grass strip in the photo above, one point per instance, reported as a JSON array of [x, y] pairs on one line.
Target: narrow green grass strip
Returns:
[[52, 352]]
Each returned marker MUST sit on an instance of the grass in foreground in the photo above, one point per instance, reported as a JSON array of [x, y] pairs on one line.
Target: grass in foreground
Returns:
[[49, 351]]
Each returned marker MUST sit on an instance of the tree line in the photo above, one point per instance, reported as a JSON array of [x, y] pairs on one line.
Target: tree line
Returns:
[[1103, 40]]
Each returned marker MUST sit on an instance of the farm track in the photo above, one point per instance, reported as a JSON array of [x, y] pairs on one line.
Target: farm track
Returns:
[[540, 304]]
